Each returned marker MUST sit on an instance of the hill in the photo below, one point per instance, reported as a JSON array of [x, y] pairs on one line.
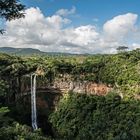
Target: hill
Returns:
[[20, 51], [31, 51]]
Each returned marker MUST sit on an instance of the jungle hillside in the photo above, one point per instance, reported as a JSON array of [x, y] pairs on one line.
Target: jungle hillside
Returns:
[[66, 106]]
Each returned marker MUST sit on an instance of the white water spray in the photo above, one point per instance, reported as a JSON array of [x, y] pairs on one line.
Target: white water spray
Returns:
[[33, 102]]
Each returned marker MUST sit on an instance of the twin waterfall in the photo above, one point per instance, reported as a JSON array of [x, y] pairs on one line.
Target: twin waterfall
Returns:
[[33, 102]]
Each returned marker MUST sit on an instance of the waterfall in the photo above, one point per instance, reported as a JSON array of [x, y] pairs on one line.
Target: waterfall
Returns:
[[33, 102]]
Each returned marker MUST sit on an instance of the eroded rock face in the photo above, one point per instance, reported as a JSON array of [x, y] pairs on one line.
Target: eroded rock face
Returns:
[[98, 89], [65, 84], [83, 87]]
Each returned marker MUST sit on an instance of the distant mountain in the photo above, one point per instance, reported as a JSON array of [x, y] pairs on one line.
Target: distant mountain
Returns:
[[20, 51], [31, 51]]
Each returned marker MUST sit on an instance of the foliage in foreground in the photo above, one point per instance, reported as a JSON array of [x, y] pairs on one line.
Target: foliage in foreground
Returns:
[[19, 132], [16, 131], [98, 118]]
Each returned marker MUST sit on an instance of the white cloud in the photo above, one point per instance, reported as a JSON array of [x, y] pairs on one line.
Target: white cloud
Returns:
[[95, 19], [66, 12], [51, 34], [135, 46], [35, 28], [120, 26], [120, 30], [82, 35]]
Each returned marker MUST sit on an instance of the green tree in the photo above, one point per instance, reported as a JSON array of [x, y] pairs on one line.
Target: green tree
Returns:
[[122, 48], [81, 116], [11, 9], [20, 132]]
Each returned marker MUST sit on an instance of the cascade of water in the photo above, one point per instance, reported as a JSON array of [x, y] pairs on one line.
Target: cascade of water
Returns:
[[33, 102]]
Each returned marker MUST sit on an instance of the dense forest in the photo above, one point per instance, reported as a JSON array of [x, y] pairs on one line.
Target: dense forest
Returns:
[[114, 116]]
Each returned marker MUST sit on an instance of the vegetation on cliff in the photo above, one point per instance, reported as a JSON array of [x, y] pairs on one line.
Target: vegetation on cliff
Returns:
[[81, 116], [77, 116]]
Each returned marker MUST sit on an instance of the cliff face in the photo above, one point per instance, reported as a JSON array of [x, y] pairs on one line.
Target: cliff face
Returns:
[[83, 87], [65, 84]]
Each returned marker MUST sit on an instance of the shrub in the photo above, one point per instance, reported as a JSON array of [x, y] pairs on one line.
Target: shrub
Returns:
[[98, 118]]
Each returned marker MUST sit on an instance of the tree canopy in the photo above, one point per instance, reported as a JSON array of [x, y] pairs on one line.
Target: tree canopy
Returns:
[[11, 9], [77, 116], [122, 48]]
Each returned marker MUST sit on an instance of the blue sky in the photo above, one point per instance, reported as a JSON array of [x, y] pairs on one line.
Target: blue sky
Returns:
[[75, 26], [87, 9]]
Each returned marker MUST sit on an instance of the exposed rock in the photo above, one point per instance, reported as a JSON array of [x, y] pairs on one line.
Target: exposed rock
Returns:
[[65, 84], [83, 87]]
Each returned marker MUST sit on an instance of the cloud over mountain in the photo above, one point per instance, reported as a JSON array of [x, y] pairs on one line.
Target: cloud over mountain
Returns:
[[55, 33]]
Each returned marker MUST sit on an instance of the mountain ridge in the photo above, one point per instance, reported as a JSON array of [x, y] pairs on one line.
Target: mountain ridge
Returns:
[[29, 51]]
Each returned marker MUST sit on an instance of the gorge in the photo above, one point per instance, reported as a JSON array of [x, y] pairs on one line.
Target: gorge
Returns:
[[63, 93]]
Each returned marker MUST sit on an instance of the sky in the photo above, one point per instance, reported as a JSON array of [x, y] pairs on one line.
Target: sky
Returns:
[[75, 26]]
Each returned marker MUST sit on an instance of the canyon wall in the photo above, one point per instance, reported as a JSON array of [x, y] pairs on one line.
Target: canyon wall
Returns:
[[66, 84]]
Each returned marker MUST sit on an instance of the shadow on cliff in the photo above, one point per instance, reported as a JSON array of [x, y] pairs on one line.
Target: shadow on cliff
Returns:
[[46, 102]]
